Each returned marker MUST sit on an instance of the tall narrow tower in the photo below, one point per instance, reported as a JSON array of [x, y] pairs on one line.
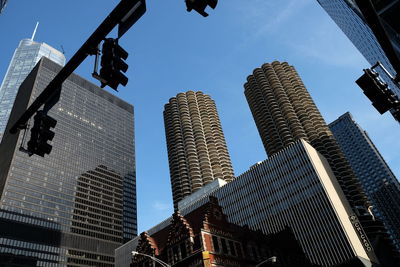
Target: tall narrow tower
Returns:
[[284, 112], [196, 145], [25, 57]]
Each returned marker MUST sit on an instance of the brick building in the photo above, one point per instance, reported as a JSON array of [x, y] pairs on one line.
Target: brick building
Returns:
[[204, 237]]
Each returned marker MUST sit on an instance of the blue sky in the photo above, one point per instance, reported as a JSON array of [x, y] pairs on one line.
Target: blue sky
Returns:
[[172, 51]]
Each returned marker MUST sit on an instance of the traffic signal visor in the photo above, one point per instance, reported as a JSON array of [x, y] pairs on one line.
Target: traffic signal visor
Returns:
[[41, 133], [200, 5], [376, 90], [113, 65]]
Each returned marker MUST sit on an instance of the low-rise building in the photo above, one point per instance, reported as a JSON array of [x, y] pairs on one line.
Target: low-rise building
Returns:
[[204, 237]]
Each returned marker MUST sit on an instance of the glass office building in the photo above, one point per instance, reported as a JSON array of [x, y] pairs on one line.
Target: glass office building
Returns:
[[24, 59], [378, 181], [76, 205], [348, 17], [3, 4]]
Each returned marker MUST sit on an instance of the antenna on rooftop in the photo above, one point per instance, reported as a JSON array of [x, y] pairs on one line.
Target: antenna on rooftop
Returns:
[[34, 32]]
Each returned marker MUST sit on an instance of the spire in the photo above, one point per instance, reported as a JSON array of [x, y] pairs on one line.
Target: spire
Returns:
[[34, 31]]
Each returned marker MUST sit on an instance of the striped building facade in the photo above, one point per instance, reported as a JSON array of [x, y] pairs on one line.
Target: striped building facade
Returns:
[[295, 188]]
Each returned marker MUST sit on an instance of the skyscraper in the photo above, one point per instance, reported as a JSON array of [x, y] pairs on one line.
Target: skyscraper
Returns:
[[25, 57], [3, 4], [296, 188], [284, 113], [348, 17], [378, 181], [76, 205], [197, 151]]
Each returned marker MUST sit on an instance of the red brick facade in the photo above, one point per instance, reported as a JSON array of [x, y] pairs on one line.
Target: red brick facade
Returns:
[[204, 237]]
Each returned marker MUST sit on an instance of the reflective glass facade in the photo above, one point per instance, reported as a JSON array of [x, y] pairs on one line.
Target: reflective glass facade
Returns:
[[3, 4], [76, 205], [24, 59], [348, 17], [378, 181]]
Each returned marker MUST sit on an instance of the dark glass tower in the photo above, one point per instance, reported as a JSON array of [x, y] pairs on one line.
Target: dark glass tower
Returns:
[[76, 205], [348, 17], [378, 181], [3, 4], [197, 150], [284, 113]]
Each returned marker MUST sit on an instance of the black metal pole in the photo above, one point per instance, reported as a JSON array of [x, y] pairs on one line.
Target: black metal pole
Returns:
[[88, 48]]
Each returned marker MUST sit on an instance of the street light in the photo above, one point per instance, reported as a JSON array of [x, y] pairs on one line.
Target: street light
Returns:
[[151, 257], [272, 259]]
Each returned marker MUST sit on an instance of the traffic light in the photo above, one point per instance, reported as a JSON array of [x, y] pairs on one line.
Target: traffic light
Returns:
[[41, 133], [113, 65], [382, 98], [200, 5]]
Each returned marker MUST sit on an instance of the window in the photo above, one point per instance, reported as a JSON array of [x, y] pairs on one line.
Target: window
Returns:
[[224, 246], [232, 248], [175, 253], [215, 243], [183, 250], [254, 252], [238, 250]]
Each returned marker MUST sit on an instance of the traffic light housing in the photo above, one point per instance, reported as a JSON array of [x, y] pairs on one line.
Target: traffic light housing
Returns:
[[200, 5], [41, 133], [382, 98], [113, 65]]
